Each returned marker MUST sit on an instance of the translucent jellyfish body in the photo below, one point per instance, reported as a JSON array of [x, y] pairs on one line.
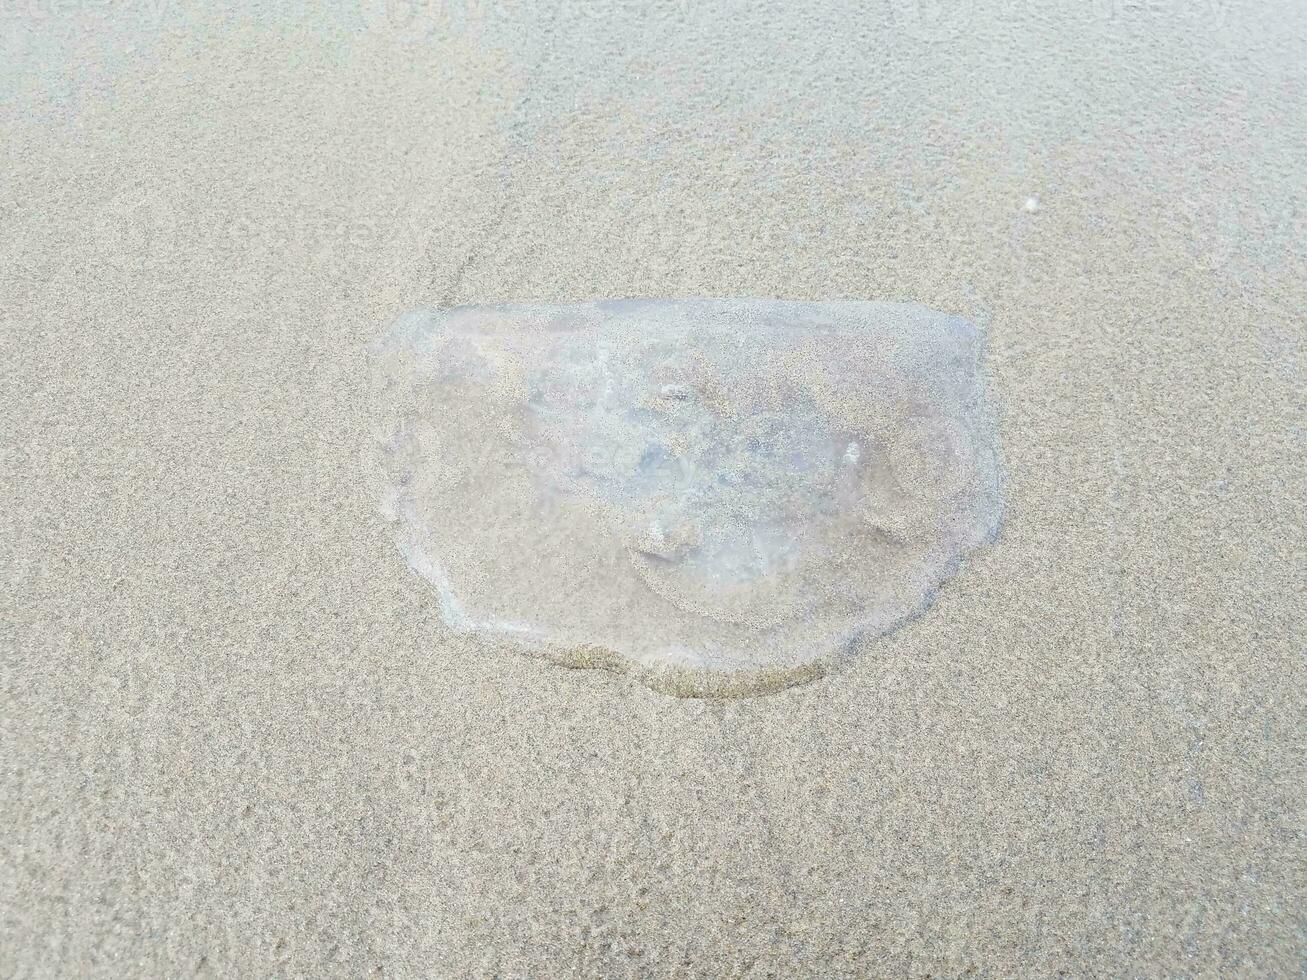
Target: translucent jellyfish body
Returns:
[[721, 497]]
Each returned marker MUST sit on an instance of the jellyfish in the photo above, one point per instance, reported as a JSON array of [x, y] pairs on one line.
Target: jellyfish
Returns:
[[719, 497]]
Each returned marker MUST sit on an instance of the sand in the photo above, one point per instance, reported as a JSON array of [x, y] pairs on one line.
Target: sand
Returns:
[[235, 737]]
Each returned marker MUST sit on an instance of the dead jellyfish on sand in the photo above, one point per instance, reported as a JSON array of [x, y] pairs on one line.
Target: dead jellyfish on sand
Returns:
[[720, 497]]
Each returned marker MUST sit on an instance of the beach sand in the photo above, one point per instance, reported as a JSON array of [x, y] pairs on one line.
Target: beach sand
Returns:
[[236, 738]]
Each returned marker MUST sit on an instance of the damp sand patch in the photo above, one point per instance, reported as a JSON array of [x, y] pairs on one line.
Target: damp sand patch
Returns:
[[720, 497]]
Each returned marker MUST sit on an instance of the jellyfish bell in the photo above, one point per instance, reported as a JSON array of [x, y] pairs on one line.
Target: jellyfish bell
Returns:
[[717, 496]]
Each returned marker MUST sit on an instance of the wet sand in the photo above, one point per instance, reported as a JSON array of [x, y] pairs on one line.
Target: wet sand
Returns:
[[236, 737]]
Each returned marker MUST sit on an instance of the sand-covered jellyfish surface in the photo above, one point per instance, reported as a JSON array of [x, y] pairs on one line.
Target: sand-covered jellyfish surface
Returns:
[[721, 497]]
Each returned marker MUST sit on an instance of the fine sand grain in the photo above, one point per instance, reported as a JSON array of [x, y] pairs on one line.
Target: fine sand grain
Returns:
[[235, 737]]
